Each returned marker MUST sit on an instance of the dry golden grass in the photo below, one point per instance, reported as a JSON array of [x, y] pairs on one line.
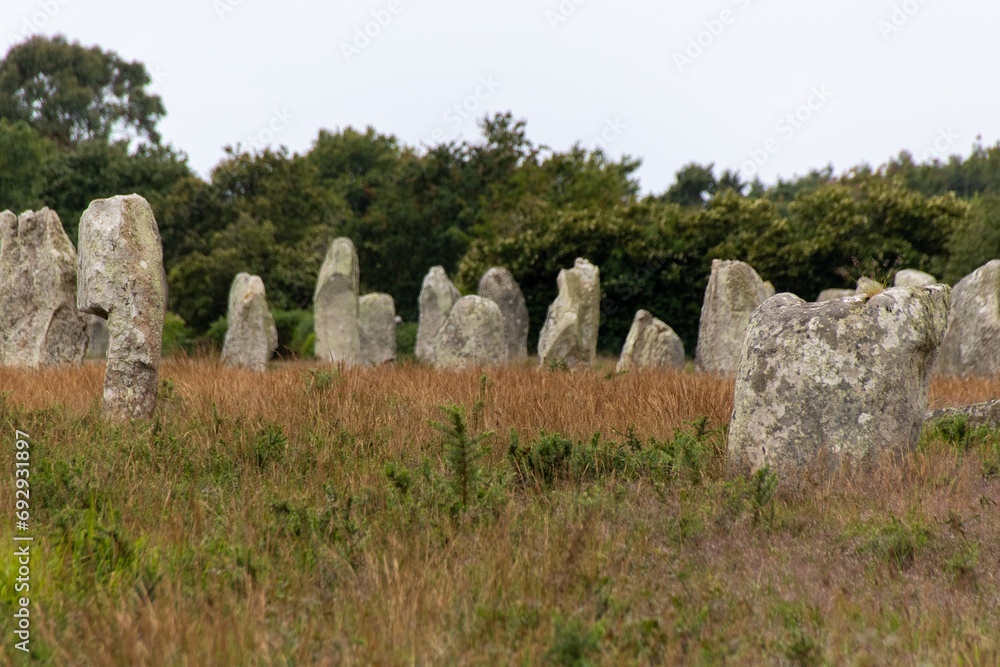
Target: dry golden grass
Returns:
[[201, 539]]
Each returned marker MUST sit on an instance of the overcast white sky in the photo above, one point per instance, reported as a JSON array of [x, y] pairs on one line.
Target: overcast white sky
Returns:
[[880, 75]]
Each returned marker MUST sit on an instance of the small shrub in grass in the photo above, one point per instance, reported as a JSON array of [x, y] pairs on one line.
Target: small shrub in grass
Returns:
[[542, 461], [574, 642], [269, 446], [462, 452], [962, 564], [897, 543]]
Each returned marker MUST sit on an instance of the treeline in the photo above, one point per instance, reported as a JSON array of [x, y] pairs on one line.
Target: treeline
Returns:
[[78, 124]]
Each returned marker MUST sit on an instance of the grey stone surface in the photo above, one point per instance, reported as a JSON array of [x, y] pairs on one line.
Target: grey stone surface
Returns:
[[980, 414], [39, 321], [734, 291], [834, 293], [97, 336], [252, 337], [437, 297], [472, 335], [650, 344], [846, 379], [335, 305], [569, 334], [377, 322], [971, 345], [121, 278], [913, 278], [499, 285]]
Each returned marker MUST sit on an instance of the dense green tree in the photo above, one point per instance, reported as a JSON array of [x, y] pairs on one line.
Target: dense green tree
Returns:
[[24, 156], [976, 240], [74, 94]]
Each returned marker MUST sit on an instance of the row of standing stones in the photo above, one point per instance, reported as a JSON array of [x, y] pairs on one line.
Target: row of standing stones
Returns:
[[845, 376]]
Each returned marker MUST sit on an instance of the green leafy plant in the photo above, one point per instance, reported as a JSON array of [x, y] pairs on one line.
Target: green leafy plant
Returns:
[[462, 452]]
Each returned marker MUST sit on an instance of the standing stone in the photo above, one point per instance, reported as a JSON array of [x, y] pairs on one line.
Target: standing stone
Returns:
[[121, 278], [971, 345], [499, 285], [914, 278], [335, 303], [437, 297], [377, 324], [651, 344], [97, 336], [734, 291], [569, 334], [846, 378], [834, 293], [473, 335], [39, 322], [252, 337]]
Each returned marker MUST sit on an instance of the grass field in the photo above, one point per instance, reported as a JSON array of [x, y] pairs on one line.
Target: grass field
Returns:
[[316, 517]]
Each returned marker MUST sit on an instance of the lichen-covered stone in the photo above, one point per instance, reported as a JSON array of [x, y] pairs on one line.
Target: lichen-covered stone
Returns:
[[377, 322], [97, 336], [437, 297], [335, 305], [651, 344], [846, 378], [569, 335], [39, 321], [971, 344], [121, 278], [472, 335], [252, 337], [734, 291], [913, 278], [834, 293], [975, 416], [499, 285]]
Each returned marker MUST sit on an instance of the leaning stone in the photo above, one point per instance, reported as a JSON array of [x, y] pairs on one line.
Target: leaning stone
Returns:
[[377, 323], [914, 278], [569, 334], [651, 344], [97, 336], [437, 297], [831, 294], [121, 278], [971, 345], [499, 285], [981, 414], [473, 335], [335, 305], [846, 379], [39, 322], [734, 291], [252, 337]]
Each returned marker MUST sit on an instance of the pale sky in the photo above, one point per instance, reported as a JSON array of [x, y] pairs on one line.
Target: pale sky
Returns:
[[668, 82]]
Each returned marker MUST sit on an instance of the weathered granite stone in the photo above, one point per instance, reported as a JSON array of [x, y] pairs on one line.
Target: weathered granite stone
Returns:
[[97, 336], [252, 337], [651, 344], [569, 334], [913, 278], [833, 293], [39, 322], [971, 344], [473, 335], [437, 297], [335, 305], [734, 291], [847, 379], [499, 285], [980, 414], [377, 322], [121, 278]]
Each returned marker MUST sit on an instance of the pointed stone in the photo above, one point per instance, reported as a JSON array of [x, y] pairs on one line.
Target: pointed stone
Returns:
[[437, 297], [252, 337], [569, 334], [121, 278], [335, 302], [377, 322], [472, 335], [499, 285], [650, 344], [734, 291]]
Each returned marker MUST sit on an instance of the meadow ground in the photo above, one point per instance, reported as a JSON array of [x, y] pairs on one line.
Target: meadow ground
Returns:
[[312, 516]]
